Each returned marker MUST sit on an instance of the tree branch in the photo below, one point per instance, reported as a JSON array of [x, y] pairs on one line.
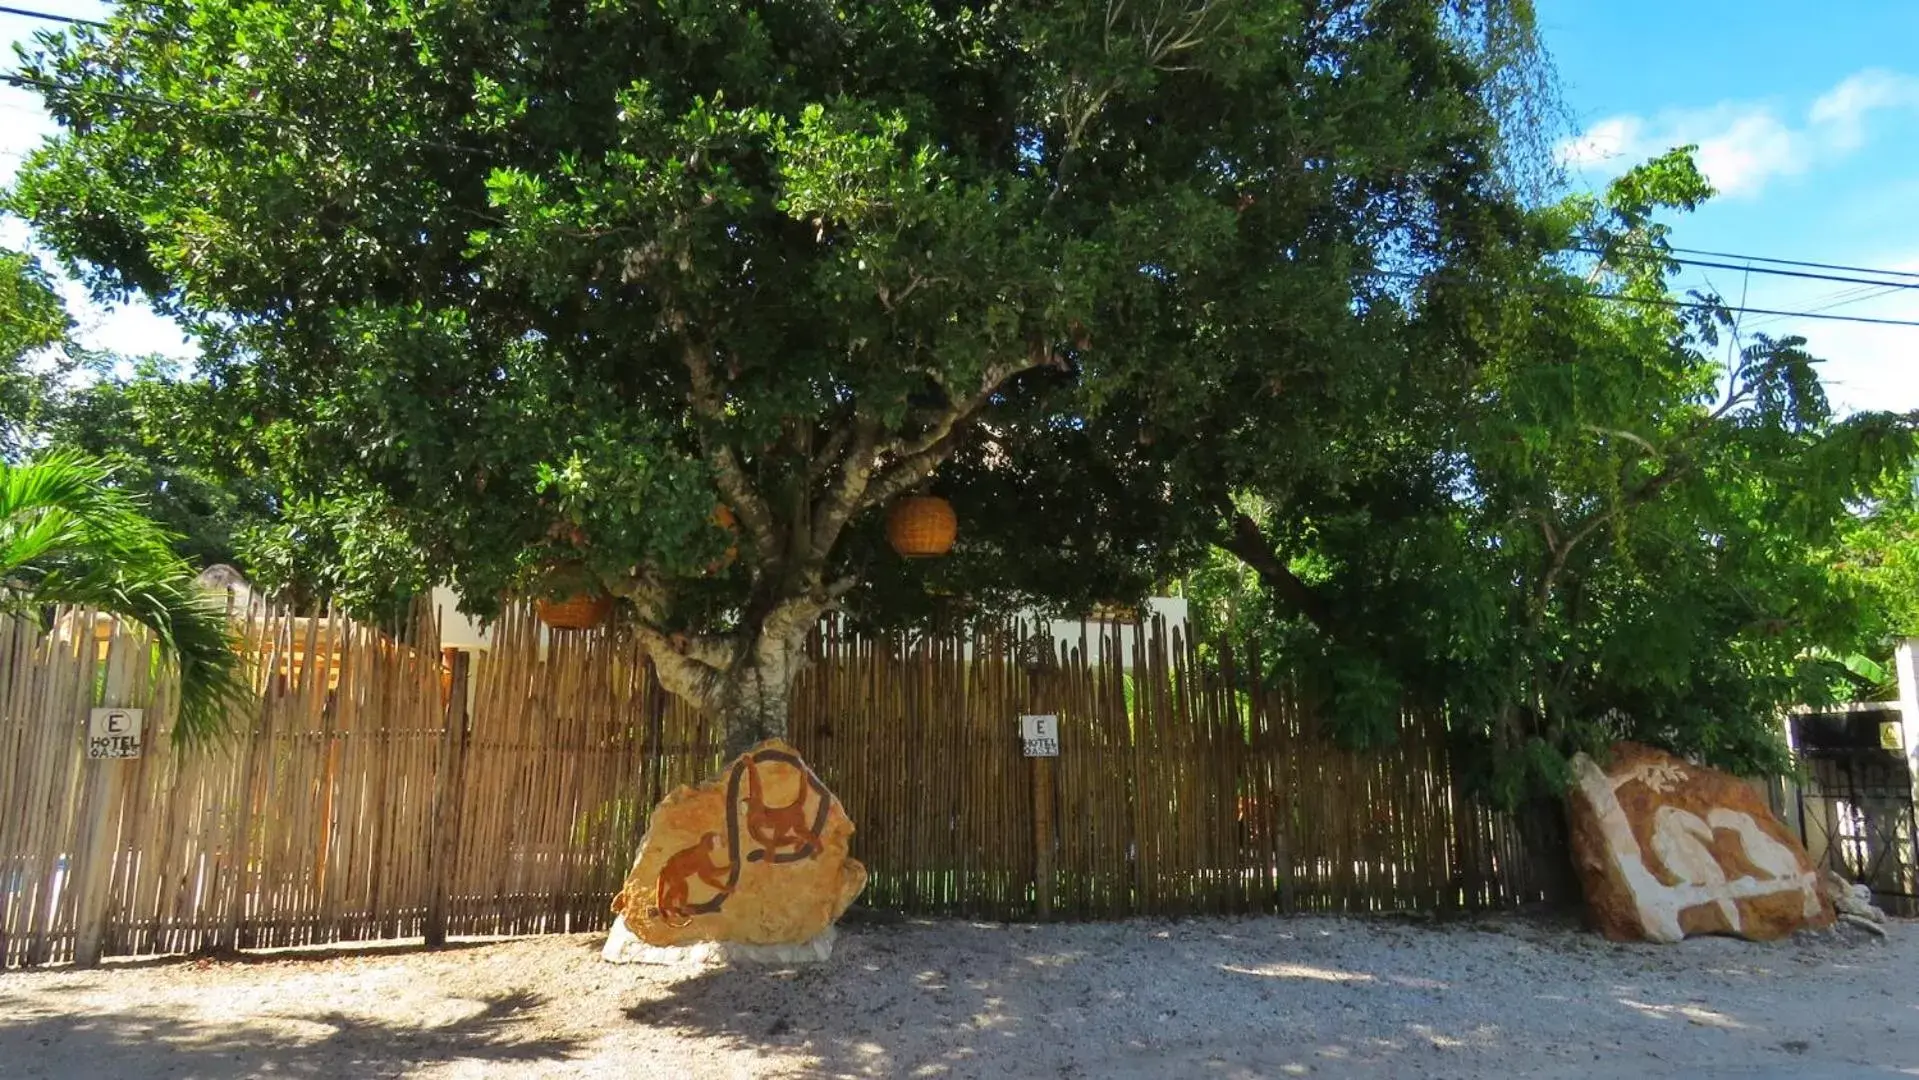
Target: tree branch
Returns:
[[830, 514], [1249, 544], [688, 669], [913, 460], [1560, 554], [709, 404], [829, 455]]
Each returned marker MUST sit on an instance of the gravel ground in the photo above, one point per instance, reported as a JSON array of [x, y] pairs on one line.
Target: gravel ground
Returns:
[[1505, 996]]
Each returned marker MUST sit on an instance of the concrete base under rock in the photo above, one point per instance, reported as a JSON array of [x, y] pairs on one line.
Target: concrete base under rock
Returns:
[[625, 947]]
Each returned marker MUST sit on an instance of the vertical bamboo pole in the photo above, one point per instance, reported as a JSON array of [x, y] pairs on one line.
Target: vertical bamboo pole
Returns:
[[1043, 835], [443, 842], [107, 782]]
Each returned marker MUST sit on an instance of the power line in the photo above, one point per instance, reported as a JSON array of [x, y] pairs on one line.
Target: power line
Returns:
[[1696, 305], [1743, 259], [1800, 262], [1775, 272], [1804, 274], [49, 16], [1843, 298], [1702, 305]]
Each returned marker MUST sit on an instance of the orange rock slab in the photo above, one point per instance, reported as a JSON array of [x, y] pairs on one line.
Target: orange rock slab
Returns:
[[756, 855], [1666, 849]]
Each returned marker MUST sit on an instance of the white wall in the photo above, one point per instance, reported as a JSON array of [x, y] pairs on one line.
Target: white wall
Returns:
[[1172, 609], [456, 630], [459, 632]]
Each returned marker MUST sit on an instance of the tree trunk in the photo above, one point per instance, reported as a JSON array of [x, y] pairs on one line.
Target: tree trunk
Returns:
[[1547, 839], [753, 696], [746, 681]]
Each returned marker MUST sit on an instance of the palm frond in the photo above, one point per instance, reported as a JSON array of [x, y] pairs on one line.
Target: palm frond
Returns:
[[67, 537]]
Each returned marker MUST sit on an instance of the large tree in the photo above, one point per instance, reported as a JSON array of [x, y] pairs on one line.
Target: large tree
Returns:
[[1620, 528], [527, 284]]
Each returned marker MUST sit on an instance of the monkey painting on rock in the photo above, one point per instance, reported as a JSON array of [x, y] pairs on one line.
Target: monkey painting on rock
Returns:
[[777, 828], [674, 889]]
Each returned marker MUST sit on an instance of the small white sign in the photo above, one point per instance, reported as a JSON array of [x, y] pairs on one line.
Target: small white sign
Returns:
[[1040, 735], [115, 733]]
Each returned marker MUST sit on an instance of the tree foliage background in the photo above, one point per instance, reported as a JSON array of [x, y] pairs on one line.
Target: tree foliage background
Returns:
[[1622, 527]]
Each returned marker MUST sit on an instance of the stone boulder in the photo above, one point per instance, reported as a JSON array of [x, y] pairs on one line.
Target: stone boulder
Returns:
[[756, 855], [1666, 849]]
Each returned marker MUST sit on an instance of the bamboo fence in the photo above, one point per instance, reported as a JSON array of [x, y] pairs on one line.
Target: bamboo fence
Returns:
[[376, 788]]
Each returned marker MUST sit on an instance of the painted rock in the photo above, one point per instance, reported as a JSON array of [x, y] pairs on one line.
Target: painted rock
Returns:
[[1666, 849], [755, 855]]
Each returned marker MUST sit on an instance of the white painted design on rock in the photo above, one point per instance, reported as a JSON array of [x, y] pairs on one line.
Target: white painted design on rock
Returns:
[[1660, 776], [1682, 842]]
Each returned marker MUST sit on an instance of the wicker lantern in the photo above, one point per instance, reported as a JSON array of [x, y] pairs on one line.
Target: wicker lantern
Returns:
[[573, 598], [921, 526], [581, 611]]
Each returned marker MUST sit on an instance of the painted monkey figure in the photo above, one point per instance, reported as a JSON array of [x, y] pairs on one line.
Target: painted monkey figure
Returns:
[[674, 885], [776, 828]]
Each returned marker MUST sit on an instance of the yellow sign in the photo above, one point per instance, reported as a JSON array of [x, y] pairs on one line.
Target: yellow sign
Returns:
[[1889, 736]]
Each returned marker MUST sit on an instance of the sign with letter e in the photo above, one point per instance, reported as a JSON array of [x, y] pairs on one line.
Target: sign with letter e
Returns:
[[1040, 734], [115, 733]]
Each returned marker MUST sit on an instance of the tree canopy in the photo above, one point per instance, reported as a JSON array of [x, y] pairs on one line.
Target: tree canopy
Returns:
[[509, 287], [33, 321]]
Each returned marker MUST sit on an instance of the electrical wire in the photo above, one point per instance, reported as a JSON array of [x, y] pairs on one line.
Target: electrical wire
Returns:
[[1801, 262], [48, 16], [1702, 305], [1774, 272], [1773, 260]]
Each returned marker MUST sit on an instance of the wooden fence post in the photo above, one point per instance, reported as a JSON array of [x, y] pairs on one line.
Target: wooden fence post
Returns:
[[1043, 834], [655, 732], [443, 842], [99, 841]]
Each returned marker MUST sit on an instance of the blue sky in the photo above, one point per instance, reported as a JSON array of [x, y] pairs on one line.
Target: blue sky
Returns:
[[131, 330], [1807, 119], [1807, 116]]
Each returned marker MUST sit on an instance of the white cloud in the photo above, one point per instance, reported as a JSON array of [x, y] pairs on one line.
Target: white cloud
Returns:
[[1754, 147], [1743, 146], [1841, 111], [1605, 141], [1866, 366]]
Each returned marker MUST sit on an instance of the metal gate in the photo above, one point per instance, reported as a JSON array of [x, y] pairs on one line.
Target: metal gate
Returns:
[[1856, 818]]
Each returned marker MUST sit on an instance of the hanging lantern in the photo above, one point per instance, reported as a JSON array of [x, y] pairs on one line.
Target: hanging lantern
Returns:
[[581, 611], [921, 526], [573, 598]]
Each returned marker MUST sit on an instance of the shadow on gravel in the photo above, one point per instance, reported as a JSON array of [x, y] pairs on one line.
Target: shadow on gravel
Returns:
[[143, 1042], [295, 955], [1038, 1002], [1267, 999]]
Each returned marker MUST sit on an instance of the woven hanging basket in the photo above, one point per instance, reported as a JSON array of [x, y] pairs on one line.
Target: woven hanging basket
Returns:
[[582, 611], [922, 526]]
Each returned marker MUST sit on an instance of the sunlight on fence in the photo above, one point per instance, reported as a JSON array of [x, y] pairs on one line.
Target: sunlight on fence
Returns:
[[346, 802]]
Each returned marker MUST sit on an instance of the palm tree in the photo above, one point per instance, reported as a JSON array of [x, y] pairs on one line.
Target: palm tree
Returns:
[[68, 537]]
